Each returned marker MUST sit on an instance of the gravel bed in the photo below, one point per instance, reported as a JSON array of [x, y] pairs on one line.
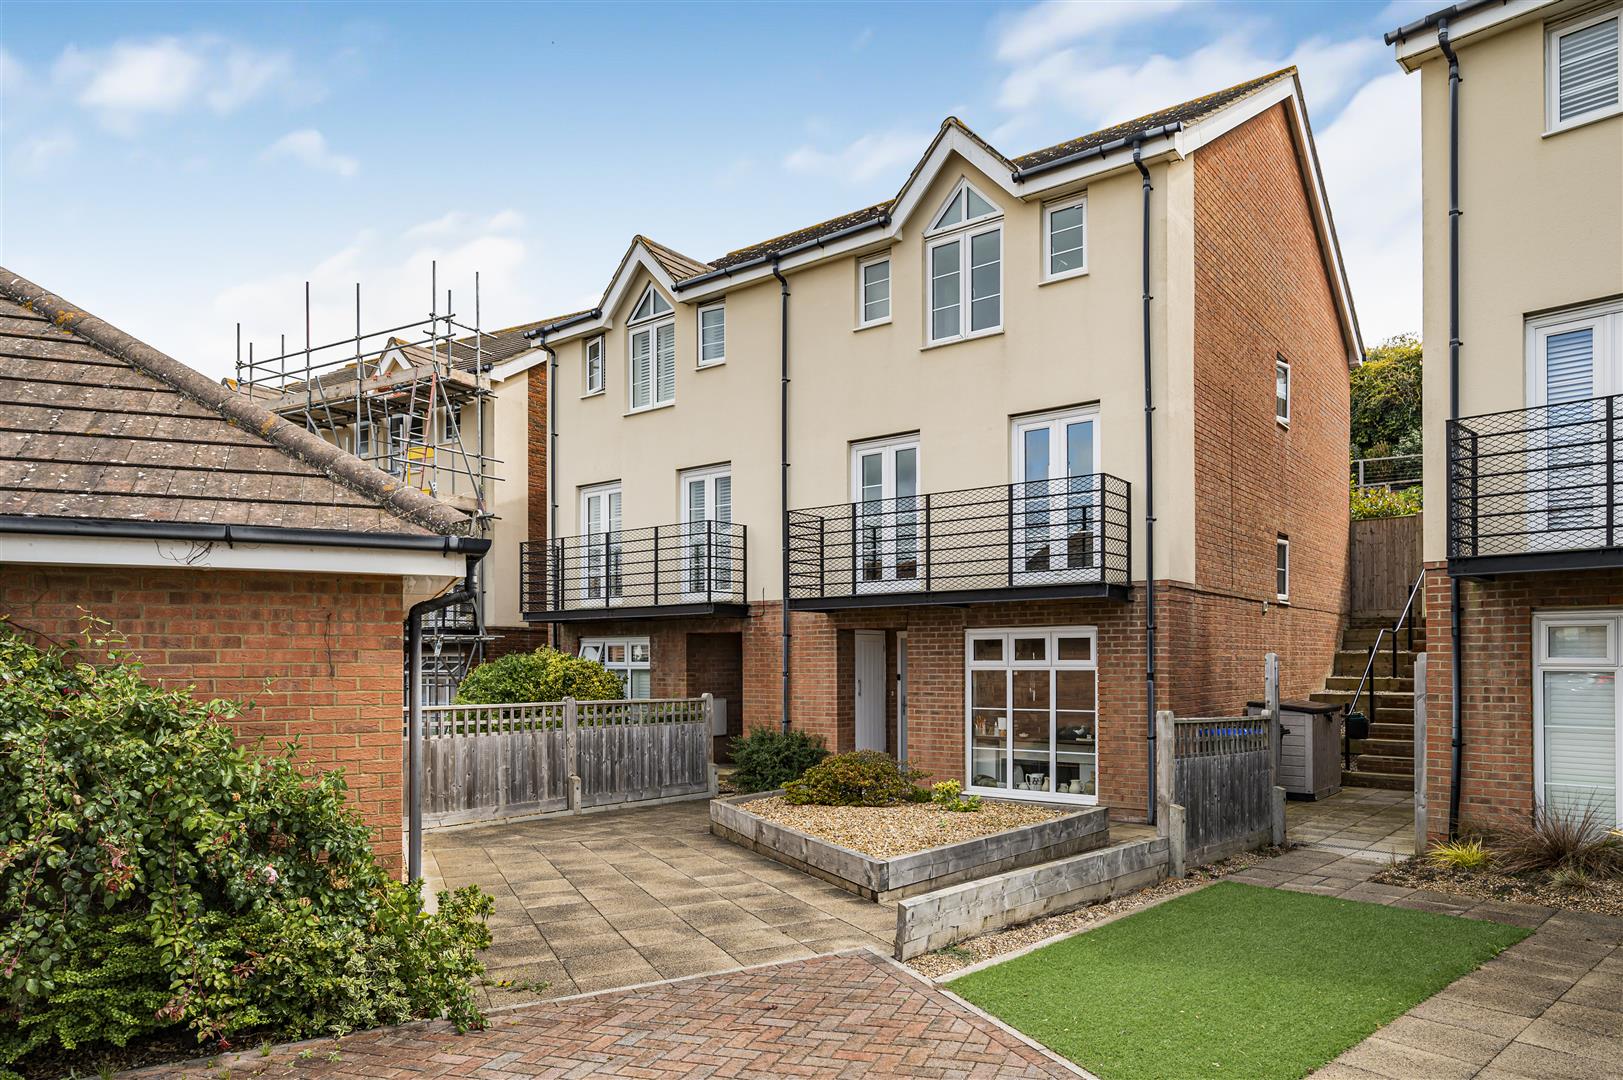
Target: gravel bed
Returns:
[[887, 831], [1604, 897], [945, 961]]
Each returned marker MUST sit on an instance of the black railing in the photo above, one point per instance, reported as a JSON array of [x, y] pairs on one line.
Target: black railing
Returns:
[[1535, 481], [687, 566], [1045, 536]]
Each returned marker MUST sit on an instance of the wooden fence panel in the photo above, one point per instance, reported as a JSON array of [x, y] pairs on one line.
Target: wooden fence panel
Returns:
[[637, 750], [1386, 558], [1221, 777]]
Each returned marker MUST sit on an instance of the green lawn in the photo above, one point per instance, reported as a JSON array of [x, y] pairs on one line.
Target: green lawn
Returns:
[[1233, 980]]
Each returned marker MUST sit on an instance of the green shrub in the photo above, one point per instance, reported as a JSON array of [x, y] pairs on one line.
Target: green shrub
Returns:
[[154, 874], [949, 795], [1377, 502], [543, 675], [1459, 855], [861, 778], [767, 758]]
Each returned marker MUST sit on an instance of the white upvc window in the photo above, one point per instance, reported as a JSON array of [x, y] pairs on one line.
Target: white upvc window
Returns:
[[1581, 69], [1577, 734], [592, 362], [1065, 235], [1031, 713], [450, 425], [713, 334], [873, 291], [1282, 568], [652, 352], [631, 658], [364, 447], [963, 268], [885, 493], [1282, 390]]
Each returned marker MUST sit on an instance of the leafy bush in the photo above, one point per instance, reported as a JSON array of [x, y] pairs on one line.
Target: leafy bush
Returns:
[[1377, 502], [1466, 855], [949, 795], [1386, 399], [154, 874], [1550, 841], [861, 778], [543, 675], [767, 758]]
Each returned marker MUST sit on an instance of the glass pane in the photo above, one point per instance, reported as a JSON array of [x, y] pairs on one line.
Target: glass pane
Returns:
[[1589, 69], [1074, 691], [978, 207], [1075, 648], [1580, 743], [1578, 642], [952, 215], [1031, 648], [873, 468], [660, 305], [985, 280], [944, 292], [712, 334], [907, 471], [1065, 240], [638, 683], [988, 765], [639, 652], [987, 648], [987, 690], [665, 345], [1079, 448], [641, 368], [1076, 753], [696, 500], [1034, 441], [876, 274], [1032, 718]]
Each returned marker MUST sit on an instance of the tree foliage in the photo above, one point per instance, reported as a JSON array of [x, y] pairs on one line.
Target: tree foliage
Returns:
[[154, 874], [1386, 399], [542, 675]]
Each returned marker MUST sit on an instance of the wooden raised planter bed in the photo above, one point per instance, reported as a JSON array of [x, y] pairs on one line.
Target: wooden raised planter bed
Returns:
[[920, 871]]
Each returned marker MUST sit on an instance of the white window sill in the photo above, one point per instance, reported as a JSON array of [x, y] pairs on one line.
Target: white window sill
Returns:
[[649, 408], [870, 325], [1283, 422], [1282, 601], [592, 394], [1067, 276], [1585, 121], [714, 363], [1027, 795], [976, 336]]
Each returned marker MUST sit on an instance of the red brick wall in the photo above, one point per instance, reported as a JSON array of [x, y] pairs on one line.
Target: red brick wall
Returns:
[[330, 644], [539, 451], [1261, 290], [512, 639]]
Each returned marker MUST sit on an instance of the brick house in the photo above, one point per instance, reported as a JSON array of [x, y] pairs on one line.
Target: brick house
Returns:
[[1522, 154], [233, 551], [924, 425]]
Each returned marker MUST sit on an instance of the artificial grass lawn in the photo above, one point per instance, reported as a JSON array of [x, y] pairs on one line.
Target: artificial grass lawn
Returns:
[[1233, 980]]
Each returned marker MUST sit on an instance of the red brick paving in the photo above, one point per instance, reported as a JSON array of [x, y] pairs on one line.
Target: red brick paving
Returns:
[[849, 1014]]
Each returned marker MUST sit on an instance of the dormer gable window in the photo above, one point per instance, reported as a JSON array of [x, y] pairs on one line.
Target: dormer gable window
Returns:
[[965, 206], [652, 358], [963, 268], [652, 305]]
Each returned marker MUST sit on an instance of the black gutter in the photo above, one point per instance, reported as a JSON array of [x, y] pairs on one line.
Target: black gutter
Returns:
[[1437, 18], [554, 635], [238, 534], [1102, 150], [551, 327], [783, 436], [1455, 605], [1149, 489], [414, 704], [775, 257]]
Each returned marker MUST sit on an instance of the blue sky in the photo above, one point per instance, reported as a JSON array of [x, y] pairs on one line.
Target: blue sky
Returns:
[[178, 168]]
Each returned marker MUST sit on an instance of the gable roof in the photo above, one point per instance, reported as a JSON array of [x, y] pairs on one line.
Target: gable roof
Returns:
[[95, 424]]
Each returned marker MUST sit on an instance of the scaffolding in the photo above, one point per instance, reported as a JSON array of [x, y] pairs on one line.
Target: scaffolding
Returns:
[[416, 401]]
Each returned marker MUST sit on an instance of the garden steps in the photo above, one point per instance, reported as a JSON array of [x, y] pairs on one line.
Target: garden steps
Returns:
[[1386, 758]]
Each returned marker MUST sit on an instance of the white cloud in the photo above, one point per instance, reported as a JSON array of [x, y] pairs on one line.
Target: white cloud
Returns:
[[137, 78], [862, 160], [460, 222], [36, 153], [242, 76], [309, 147], [1045, 27]]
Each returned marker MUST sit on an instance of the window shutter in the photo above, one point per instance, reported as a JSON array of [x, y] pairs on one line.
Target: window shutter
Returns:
[[666, 362], [641, 373], [1588, 61], [614, 511], [724, 499], [1580, 743], [1569, 366]]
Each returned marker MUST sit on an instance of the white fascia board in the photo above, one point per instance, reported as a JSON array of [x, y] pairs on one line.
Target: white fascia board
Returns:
[[518, 365], [84, 551], [1415, 51], [1193, 136], [640, 257]]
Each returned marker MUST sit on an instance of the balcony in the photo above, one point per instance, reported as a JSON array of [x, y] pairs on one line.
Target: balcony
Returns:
[[1035, 540], [1535, 489], [694, 568]]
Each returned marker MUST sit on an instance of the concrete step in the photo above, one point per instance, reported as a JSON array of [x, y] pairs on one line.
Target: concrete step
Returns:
[[1386, 766], [1387, 748], [1394, 706], [1352, 662], [1392, 730], [1380, 684], [1387, 781], [1362, 637]]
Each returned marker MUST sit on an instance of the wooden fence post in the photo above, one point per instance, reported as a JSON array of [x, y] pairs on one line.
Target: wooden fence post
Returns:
[[1165, 776], [572, 752], [1271, 694], [1277, 816]]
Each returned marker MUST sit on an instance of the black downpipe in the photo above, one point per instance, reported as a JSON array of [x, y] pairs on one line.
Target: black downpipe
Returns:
[[783, 435], [1149, 490], [414, 704], [555, 630], [1456, 641]]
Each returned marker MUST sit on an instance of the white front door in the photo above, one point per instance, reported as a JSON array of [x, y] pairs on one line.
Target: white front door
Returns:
[[1574, 363], [885, 490], [599, 563], [870, 689], [707, 509], [1056, 499]]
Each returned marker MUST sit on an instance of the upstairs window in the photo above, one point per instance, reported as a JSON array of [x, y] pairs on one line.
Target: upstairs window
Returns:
[[594, 365], [873, 290], [713, 335], [652, 352], [1065, 238], [964, 268], [1582, 66], [1282, 390], [1282, 568]]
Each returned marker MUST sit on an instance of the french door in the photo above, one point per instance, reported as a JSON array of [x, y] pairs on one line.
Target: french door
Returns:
[[1577, 748], [1056, 499], [600, 566], [707, 510], [885, 509], [1576, 363], [1031, 710]]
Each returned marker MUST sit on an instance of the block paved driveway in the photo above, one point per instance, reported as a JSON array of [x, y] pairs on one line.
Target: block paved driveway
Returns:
[[608, 900], [853, 1014]]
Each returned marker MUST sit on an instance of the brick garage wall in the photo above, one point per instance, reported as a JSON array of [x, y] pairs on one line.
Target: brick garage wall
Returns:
[[1497, 684], [331, 646], [1261, 289]]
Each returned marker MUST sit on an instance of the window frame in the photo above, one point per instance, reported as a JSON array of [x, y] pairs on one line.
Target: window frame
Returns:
[[1049, 210], [1282, 364], [1553, 33], [650, 325], [1282, 565], [1542, 622], [863, 322], [1604, 319], [964, 238], [698, 332], [590, 390], [628, 665]]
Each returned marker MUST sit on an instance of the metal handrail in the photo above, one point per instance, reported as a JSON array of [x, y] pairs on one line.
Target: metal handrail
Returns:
[[1369, 667]]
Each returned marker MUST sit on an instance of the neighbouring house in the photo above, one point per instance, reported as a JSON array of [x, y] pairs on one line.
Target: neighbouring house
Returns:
[[1522, 161], [924, 425], [234, 552]]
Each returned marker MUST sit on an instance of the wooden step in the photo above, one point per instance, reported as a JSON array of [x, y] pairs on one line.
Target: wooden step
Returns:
[[1386, 748], [1385, 765], [1359, 778], [1380, 684], [1362, 637], [1353, 661]]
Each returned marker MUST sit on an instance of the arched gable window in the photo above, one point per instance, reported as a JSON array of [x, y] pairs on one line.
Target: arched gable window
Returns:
[[651, 346], [964, 267]]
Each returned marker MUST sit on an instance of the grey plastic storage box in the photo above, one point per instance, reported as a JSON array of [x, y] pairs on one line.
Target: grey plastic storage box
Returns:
[[1310, 747]]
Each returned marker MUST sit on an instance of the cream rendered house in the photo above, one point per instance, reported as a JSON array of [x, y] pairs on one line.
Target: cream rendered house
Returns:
[[929, 417], [1523, 186]]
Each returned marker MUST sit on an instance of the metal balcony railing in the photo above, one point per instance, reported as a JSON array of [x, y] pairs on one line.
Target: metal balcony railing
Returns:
[[1541, 482], [1068, 536], [667, 569]]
